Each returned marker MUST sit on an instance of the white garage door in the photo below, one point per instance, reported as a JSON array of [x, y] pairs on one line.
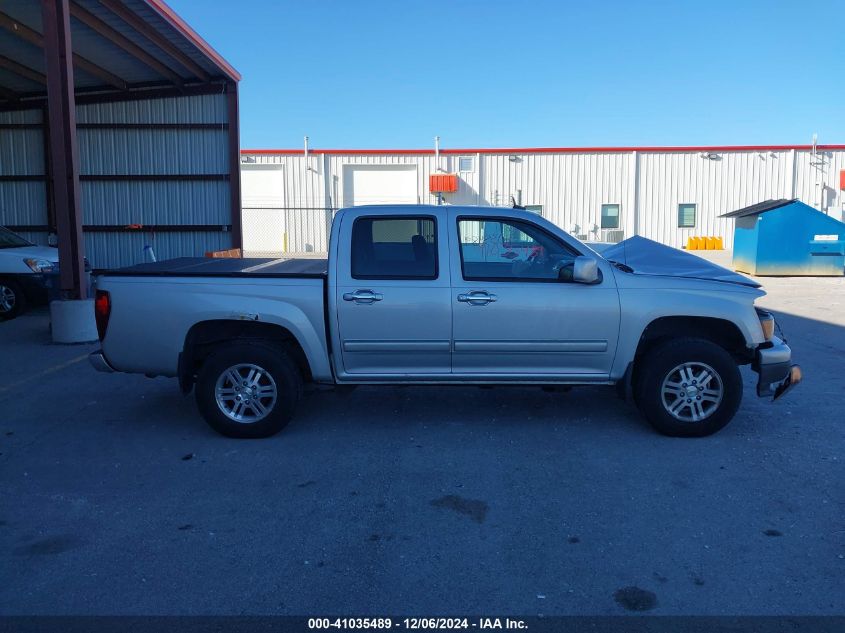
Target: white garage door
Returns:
[[379, 184], [262, 207]]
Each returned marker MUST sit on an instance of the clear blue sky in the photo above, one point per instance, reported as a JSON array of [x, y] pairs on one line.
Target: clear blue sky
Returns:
[[393, 74]]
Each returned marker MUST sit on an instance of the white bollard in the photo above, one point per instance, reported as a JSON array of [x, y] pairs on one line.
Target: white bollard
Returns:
[[73, 321]]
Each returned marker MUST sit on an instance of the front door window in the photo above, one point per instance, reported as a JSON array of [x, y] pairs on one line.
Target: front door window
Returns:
[[510, 250]]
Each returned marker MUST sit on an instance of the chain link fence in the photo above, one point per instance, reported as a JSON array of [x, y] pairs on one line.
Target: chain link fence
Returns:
[[270, 231]]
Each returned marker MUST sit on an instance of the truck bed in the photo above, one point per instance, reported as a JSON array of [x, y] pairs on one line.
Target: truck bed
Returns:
[[161, 302], [224, 267]]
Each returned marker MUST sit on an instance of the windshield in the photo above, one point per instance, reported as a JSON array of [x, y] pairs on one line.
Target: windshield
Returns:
[[11, 240]]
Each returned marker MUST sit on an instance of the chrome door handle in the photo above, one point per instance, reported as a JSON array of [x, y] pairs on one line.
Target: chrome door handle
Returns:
[[363, 296], [477, 298]]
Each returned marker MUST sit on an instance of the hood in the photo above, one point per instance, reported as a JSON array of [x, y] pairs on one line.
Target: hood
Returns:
[[34, 252], [648, 257]]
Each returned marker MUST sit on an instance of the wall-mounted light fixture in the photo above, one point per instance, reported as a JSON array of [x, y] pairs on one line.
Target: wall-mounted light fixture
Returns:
[[514, 158], [710, 156]]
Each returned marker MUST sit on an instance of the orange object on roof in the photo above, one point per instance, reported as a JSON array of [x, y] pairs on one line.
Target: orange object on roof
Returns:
[[443, 183]]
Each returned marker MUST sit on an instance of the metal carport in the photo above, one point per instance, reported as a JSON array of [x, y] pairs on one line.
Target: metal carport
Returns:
[[101, 101]]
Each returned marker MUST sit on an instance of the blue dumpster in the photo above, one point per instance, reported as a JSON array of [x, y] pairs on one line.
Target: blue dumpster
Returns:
[[787, 237]]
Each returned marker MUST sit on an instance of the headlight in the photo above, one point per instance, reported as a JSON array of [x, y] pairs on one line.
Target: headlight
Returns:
[[767, 322], [40, 265]]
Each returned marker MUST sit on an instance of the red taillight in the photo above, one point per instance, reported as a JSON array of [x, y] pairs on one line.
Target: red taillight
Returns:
[[102, 310]]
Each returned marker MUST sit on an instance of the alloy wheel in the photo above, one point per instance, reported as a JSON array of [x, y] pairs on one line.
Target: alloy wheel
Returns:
[[245, 393], [7, 299], [692, 392]]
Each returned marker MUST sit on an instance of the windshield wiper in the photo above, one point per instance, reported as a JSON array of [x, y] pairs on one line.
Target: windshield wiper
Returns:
[[623, 267]]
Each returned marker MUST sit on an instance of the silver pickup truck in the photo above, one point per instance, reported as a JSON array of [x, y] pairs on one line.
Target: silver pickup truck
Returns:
[[445, 295]]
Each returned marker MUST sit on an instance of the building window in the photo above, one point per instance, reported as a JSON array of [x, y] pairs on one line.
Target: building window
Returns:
[[686, 216], [535, 208], [466, 163], [610, 216], [394, 248]]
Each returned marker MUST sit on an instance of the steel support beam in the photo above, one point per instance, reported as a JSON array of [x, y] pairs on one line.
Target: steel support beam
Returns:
[[64, 156], [48, 170], [135, 92], [121, 41], [8, 95], [139, 92], [234, 156], [22, 71]]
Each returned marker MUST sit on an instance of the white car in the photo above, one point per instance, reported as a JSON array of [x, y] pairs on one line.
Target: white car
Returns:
[[23, 272]]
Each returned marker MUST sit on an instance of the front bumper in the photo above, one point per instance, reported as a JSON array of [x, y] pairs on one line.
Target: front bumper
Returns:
[[34, 285], [99, 362], [776, 371]]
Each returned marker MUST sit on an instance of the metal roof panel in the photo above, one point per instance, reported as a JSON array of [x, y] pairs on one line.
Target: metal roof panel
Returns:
[[166, 49], [757, 209]]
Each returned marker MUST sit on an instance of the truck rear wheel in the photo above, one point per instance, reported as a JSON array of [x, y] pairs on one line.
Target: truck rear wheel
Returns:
[[248, 389], [688, 387]]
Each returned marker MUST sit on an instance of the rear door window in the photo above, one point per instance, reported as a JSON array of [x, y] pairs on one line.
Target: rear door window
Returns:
[[394, 248]]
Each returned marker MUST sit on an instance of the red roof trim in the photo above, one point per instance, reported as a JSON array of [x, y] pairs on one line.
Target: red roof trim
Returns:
[[180, 25], [544, 150]]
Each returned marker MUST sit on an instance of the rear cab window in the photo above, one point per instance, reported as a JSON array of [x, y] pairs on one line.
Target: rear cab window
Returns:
[[401, 247]]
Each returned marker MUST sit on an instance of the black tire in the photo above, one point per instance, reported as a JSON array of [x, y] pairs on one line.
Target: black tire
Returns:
[[660, 364], [275, 363], [12, 299]]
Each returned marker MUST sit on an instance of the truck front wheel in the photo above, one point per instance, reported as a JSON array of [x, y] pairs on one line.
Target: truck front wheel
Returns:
[[688, 387], [248, 389]]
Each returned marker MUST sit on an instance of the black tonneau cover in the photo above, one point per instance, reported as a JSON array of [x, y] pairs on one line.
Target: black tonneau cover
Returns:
[[224, 267]]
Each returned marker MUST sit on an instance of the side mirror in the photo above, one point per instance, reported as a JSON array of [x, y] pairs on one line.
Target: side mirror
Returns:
[[585, 270]]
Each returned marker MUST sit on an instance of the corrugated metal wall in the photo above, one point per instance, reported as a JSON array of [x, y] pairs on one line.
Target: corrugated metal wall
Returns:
[[307, 203], [726, 182], [817, 179], [571, 187], [23, 202], [140, 148], [178, 145]]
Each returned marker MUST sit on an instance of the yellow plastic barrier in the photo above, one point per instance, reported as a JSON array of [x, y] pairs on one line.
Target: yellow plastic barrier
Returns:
[[708, 243]]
